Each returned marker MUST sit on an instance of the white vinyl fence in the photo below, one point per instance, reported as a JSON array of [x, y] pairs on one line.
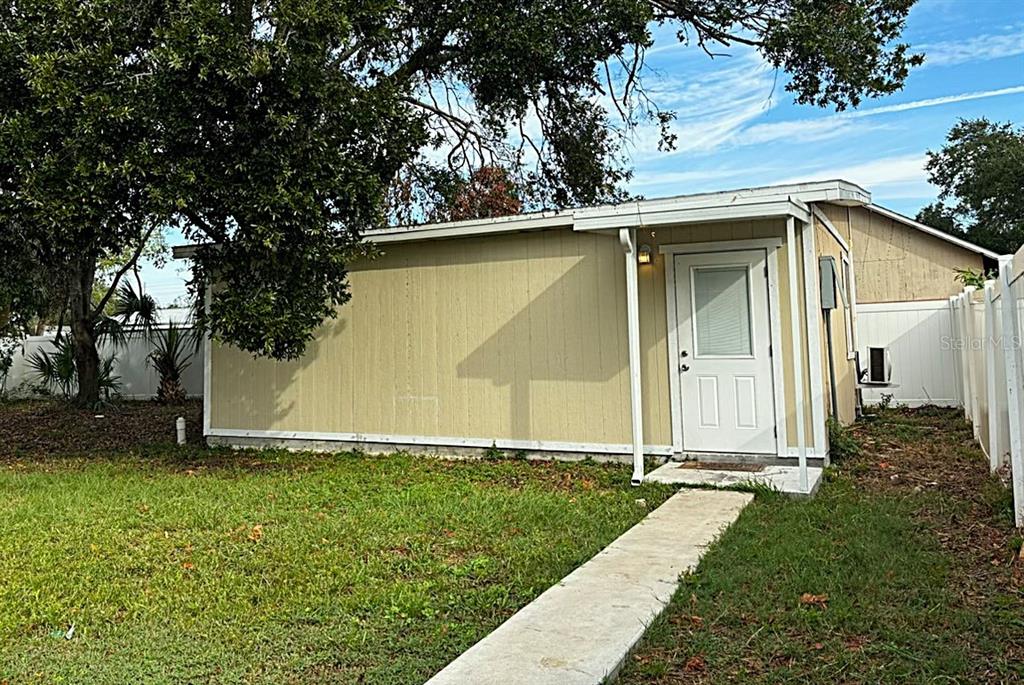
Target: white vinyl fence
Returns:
[[138, 379], [986, 339], [918, 337]]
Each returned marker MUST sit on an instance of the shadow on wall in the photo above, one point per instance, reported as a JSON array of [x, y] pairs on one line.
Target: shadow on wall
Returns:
[[519, 336], [559, 354]]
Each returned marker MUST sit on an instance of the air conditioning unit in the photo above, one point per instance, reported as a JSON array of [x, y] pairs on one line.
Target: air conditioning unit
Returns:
[[879, 368]]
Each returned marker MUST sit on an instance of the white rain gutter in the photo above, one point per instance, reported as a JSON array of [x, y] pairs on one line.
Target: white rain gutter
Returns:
[[798, 363], [628, 239]]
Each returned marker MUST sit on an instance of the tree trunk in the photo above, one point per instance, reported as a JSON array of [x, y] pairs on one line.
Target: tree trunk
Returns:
[[83, 325]]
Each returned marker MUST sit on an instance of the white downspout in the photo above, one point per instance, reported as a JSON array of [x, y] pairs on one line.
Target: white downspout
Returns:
[[628, 239], [798, 362]]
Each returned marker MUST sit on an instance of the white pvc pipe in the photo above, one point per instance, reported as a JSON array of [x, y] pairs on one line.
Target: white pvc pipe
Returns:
[[628, 239], [798, 362], [180, 425]]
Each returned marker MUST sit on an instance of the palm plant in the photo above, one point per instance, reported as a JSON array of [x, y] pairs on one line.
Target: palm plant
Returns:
[[56, 371], [173, 348]]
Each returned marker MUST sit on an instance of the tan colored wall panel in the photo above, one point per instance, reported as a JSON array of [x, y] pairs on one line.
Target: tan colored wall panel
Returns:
[[510, 337], [518, 337], [898, 263]]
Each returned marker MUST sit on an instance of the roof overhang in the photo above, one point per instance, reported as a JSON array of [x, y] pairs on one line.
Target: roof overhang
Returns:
[[641, 214], [746, 204]]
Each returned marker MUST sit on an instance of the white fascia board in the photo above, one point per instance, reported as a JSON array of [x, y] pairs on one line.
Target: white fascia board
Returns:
[[459, 229], [907, 221], [830, 227], [638, 214], [836, 191]]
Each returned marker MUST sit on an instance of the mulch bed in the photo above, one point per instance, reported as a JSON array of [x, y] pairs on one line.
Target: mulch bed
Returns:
[[933, 450], [52, 428]]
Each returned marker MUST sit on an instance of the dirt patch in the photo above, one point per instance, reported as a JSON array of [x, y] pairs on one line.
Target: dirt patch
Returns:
[[50, 428], [932, 450]]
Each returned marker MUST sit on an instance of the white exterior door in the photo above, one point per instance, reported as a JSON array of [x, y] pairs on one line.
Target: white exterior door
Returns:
[[724, 364]]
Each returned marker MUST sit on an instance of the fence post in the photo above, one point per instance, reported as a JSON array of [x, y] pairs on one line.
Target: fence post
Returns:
[[994, 448], [970, 373], [1014, 384], [954, 351]]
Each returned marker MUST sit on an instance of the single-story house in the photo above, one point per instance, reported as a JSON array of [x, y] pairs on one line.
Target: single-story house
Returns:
[[685, 327]]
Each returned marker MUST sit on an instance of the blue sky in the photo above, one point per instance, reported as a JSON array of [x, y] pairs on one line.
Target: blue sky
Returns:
[[738, 127]]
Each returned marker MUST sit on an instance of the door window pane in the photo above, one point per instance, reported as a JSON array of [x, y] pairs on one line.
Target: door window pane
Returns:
[[721, 304]]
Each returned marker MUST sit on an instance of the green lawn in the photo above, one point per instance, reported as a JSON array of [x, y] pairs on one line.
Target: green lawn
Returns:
[[269, 567], [909, 559]]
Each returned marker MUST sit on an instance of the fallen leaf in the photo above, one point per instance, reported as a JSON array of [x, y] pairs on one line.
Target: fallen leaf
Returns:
[[696, 663], [256, 534], [818, 646], [188, 566], [820, 601]]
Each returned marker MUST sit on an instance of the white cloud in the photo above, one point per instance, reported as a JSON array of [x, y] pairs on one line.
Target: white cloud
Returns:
[[822, 128], [712, 107], [901, 176], [975, 49]]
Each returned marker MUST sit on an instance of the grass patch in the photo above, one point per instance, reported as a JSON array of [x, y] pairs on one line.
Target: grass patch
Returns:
[[904, 568], [271, 567]]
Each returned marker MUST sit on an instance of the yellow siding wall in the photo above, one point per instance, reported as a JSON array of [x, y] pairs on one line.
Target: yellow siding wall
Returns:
[[896, 263], [506, 337], [845, 368], [517, 337]]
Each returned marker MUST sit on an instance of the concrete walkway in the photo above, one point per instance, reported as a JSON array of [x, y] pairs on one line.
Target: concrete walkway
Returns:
[[785, 479], [579, 631]]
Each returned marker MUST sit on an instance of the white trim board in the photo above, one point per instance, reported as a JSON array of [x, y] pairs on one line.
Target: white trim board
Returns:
[[721, 246], [830, 227], [443, 441], [812, 308]]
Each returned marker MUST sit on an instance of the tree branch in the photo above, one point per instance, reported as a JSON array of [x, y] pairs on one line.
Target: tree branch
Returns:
[[98, 309]]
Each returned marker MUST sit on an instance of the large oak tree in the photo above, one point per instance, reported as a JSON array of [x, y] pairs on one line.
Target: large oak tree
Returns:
[[278, 129], [980, 175]]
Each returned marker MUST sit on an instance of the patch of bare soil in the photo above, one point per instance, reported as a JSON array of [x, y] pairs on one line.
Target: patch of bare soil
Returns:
[[932, 450], [52, 428]]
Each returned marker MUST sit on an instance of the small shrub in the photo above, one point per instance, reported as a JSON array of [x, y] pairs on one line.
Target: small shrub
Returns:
[[55, 371], [172, 353], [841, 442]]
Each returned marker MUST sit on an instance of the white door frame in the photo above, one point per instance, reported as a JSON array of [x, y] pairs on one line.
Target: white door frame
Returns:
[[770, 247]]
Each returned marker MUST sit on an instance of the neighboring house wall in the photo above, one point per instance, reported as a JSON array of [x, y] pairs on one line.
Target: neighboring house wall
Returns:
[[898, 263], [511, 337]]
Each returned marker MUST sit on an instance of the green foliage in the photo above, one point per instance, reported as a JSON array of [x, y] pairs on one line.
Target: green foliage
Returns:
[[56, 371], [173, 348], [977, 278], [277, 129], [841, 443], [8, 347], [294, 568], [980, 173]]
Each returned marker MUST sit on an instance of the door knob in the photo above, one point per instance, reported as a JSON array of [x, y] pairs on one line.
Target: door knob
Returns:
[[684, 368], [684, 354]]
